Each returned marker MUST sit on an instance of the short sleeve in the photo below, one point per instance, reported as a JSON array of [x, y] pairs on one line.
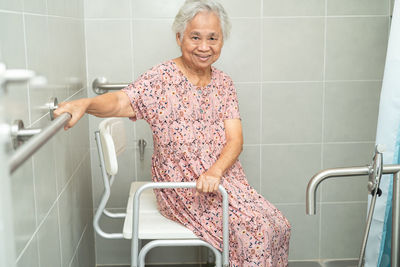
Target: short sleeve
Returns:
[[141, 93], [231, 104]]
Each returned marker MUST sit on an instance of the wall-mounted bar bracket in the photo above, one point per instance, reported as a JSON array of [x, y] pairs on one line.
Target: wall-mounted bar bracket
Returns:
[[19, 134], [101, 86]]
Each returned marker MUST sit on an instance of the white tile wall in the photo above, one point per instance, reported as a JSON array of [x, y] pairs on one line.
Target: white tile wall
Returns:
[[51, 192], [306, 72]]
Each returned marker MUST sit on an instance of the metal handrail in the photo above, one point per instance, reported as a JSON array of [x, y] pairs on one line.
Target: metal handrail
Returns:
[[101, 85], [36, 142], [357, 171]]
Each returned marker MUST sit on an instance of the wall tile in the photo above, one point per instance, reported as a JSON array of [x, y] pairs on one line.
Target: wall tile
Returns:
[[24, 215], [293, 49], [107, 9], [74, 262], [358, 7], [38, 60], [353, 117], [391, 7], [17, 105], [44, 175], [304, 240], [35, 6], [86, 254], [66, 8], [143, 131], [284, 165], [129, 129], [115, 49], [12, 53], [291, 112], [67, 226], [294, 8], [146, 47], [346, 155], [49, 241], [57, 7], [156, 8], [79, 139], [171, 255], [250, 160], [73, 214], [67, 53], [112, 251], [239, 8], [11, 5], [31, 256], [120, 188], [249, 108], [64, 168], [356, 48], [342, 224], [144, 166], [240, 57]]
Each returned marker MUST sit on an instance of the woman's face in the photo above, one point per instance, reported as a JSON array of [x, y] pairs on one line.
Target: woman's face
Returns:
[[202, 41]]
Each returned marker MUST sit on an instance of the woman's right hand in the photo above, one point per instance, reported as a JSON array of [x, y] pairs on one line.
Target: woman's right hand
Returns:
[[77, 108]]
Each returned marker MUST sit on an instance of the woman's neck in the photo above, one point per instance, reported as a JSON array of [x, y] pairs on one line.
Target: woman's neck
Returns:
[[198, 77]]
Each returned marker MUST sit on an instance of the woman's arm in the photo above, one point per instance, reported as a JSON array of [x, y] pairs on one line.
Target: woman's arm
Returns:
[[209, 181], [114, 104]]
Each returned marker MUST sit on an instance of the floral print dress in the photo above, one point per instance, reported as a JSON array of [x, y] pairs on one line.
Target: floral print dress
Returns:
[[188, 133]]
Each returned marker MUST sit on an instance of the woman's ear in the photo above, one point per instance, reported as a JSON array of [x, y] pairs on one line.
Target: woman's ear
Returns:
[[178, 39]]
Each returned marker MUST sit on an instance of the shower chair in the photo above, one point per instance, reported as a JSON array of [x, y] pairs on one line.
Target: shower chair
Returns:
[[142, 219]]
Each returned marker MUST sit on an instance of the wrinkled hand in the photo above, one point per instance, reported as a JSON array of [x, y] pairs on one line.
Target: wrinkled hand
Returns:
[[208, 182], [76, 108]]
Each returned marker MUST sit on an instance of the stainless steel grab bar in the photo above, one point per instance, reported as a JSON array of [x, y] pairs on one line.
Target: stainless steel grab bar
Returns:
[[36, 142], [356, 171], [101, 85]]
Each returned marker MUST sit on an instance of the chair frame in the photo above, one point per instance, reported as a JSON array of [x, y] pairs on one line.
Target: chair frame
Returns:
[[138, 257]]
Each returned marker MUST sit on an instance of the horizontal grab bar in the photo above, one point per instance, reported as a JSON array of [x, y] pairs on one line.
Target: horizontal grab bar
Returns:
[[36, 142], [101, 85]]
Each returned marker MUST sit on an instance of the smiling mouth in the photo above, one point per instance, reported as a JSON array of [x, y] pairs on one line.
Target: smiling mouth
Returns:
[[203, 58]]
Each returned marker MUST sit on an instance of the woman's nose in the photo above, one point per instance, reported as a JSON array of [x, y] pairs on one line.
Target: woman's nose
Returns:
[[204, 46]]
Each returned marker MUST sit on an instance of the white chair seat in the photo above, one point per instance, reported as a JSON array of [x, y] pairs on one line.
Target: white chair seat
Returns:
[[152, 225]]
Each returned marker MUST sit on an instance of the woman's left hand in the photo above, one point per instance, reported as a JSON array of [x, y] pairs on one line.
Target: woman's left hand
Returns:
[[208, 182]]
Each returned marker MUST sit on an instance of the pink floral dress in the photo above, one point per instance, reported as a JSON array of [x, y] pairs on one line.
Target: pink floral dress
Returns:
[[188, 132]]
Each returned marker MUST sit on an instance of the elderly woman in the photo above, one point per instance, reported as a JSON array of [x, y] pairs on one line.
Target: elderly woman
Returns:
[[192, 109]]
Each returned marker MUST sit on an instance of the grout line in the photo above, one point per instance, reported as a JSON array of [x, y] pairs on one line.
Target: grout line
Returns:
[[261, 90], [322, 127], [237, 17], [315, 143], [37, 14], [26, 66], [35, 232], [135, 157], [47, 113], [77, 246], [108, 19], [325, 202], [274, 144], [58, 206], [50, 209]]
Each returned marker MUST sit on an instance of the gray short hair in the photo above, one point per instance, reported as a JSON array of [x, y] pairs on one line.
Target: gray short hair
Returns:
[[190, 9]]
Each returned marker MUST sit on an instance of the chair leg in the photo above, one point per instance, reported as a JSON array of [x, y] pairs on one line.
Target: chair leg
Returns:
[[188, 242]]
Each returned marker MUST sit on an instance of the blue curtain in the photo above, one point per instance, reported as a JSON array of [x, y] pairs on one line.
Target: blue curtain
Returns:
[[378, 250]]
